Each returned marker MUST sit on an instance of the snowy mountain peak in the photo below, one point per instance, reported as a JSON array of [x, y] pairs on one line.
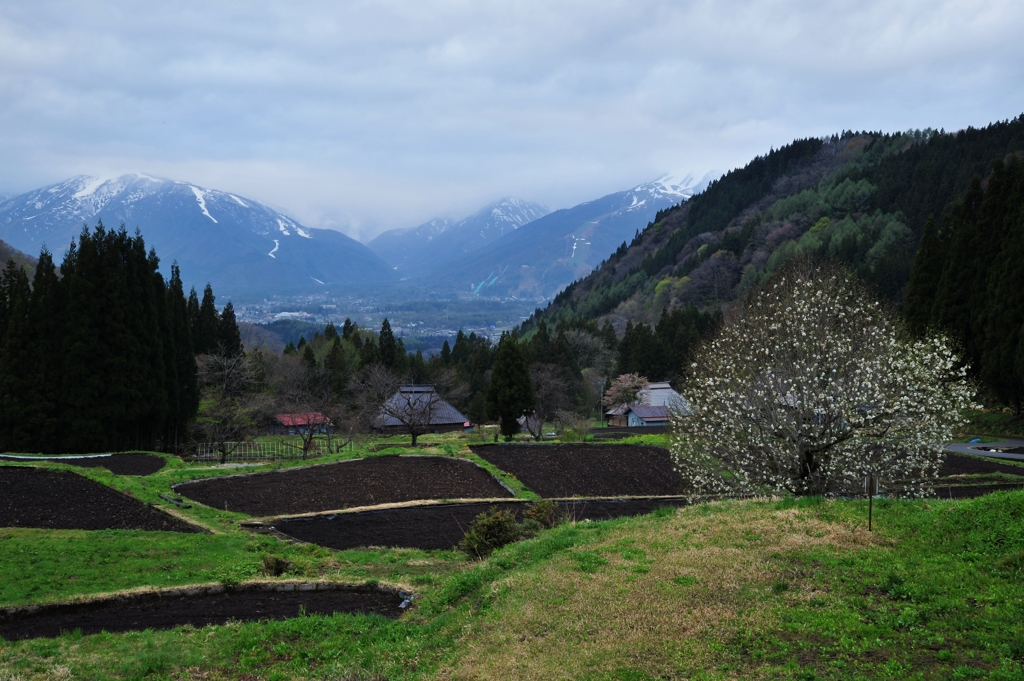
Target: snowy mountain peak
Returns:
[[680, 187], [215, 236]]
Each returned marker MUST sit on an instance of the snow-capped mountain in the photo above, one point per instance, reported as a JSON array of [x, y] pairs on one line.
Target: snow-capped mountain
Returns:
[[439, 241], [238, 245], [543, 256]]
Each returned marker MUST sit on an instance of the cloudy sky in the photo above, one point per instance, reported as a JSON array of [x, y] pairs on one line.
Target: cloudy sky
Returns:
[[364, 116]]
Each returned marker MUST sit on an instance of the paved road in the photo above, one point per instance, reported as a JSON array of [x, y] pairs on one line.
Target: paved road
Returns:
[[1007, 443]]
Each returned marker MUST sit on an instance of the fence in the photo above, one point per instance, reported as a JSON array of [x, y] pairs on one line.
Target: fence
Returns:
[[247, 451]]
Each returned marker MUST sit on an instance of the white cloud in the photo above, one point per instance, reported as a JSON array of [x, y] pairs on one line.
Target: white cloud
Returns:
[[369, 115]]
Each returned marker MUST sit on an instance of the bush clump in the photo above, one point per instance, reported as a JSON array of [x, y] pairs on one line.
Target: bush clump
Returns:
[[496, 528], [490, 531]]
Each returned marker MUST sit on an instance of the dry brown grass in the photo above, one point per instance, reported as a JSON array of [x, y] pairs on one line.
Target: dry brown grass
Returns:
[[671, 592]]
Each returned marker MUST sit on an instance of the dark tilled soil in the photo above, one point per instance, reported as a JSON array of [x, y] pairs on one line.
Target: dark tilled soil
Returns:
[[971, 491], [587, 470], [438, 527], [970, 465], [62, 500], [138, 614], [118, 464], [365, 482]]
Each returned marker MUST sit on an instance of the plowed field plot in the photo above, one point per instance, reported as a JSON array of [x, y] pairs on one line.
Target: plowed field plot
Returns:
[[118, 464], [587, 470], [167, 612], [437, 527], [347, 484], [967, 491], [62, 500], [971, 465]]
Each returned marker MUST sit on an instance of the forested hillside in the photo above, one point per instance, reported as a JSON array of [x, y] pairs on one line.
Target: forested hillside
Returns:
[[862, 199], [968, 279], [23, 260]]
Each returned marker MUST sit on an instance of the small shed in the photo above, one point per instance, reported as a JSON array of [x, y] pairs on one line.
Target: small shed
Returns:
[[660, 395], [296, 424], [640, 416]]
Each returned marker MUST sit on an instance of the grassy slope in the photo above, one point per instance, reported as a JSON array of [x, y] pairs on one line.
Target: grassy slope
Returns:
[[745, 589]]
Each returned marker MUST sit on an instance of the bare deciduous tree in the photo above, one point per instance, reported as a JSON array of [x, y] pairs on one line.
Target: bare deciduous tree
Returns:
[[229, 412], [385, 402], [551, 388], [575, 427], [814, 387]]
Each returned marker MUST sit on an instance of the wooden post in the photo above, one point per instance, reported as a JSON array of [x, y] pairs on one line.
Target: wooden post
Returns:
[[871, 489]]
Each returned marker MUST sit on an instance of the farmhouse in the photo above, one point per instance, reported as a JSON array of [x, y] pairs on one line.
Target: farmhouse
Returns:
[[293, 424], [418, 408], [655, 406]]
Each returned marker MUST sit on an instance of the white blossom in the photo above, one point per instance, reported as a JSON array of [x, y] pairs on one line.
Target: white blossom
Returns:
[[811, 389]]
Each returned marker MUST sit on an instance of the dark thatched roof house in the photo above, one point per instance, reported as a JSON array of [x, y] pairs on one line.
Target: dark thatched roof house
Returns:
[[418, 409]]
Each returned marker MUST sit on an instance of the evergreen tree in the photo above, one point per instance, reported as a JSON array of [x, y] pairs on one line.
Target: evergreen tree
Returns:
[[229, 340], [446, 354], [208, 325], [309, 357], [368, 353], [348, 329], [924, 278], [184, 399], [387, 347], [330, 333], [46, 321], [193, 318], [16, 374], [510, 395]]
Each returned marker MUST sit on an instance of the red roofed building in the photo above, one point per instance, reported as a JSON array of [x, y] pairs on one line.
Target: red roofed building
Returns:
[[294, 424]]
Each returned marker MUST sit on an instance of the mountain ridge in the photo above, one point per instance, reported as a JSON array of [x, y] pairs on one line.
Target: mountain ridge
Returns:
[[861, 199], [239, 245], [438, 241]]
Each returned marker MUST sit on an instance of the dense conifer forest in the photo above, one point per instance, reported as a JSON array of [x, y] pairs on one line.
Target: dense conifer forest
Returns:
[[99, 354], [968, 279]]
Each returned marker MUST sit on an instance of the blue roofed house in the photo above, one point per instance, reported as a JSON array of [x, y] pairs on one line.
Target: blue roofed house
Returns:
[[654, 408]]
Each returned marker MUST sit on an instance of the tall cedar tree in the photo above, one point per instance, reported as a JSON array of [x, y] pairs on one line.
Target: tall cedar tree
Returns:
[[229, 340], [510, 395], [183, 383], [206, 332]]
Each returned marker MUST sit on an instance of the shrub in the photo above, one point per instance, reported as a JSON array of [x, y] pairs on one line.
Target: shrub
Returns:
[[490, 531], [545, 514]]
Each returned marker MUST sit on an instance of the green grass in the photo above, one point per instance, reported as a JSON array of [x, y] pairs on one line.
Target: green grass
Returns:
[[995, 423], [791, 589]]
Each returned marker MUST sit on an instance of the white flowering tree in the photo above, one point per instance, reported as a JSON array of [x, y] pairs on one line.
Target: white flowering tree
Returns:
[[813, 387]]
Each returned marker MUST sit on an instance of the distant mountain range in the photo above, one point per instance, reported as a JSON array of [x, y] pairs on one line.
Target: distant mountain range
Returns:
[[244, 249], [540, 258], [435, 243], [238, 245]]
